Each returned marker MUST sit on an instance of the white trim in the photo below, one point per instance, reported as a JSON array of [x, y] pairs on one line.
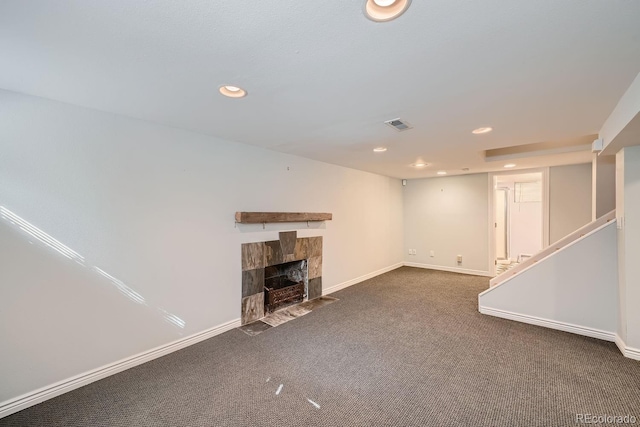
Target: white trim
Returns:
[[507, 225], [19, 403], [368, 276], [546, 209], [491, 217], [630, 352], [451, 269], [551, 324], [339, 286], [26, 400]]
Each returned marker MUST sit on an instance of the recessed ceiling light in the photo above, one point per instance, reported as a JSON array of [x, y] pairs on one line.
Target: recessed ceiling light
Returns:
[[380, 149], [419, 165], [232, 91], [510, 165], [385, 10], [480, 131], [442, 172]]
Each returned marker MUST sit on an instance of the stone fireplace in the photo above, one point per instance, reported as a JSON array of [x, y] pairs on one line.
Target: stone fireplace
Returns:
[[279, 273]]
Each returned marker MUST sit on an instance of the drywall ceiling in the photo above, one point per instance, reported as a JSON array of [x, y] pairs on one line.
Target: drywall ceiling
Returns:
[[322, 78]]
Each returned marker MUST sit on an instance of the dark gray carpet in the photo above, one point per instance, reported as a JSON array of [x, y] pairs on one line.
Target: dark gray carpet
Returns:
[[407, 348]]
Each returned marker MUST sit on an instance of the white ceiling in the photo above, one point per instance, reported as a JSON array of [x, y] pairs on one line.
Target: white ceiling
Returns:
[[322, 78]]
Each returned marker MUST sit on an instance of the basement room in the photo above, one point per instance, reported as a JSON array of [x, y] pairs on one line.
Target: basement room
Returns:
[[337, 213]]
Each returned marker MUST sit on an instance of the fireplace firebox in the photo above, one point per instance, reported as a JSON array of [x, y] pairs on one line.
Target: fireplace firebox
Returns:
[[284, 284]]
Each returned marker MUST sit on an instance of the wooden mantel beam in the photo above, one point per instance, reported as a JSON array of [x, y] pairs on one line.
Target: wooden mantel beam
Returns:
[[265, 217]]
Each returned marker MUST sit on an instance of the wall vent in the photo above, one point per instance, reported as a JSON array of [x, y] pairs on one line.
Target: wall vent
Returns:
[[398, 124]]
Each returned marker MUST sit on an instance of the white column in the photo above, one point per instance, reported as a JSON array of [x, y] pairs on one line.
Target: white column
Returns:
[[628, 214]]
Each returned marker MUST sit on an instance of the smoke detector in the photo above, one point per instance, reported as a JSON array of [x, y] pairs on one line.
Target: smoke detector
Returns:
[[398, 124]]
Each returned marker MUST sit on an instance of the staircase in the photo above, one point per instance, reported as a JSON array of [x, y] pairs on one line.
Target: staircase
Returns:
[[572, 285]]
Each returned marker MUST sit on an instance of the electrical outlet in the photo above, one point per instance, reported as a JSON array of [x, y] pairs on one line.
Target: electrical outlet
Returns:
[[432, 253], [410, 251], [459, 258]]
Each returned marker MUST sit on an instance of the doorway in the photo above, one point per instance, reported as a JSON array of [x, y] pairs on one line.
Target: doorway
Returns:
[[519, 219], [502, 223]]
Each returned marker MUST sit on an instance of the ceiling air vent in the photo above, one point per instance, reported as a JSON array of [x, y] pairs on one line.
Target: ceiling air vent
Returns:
[[398, 124]]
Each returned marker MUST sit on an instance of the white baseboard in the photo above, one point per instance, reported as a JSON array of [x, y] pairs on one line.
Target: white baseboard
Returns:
[[630, 352], [551, 324], [451, 269], [29, 399], [40, 395], [368, 276]]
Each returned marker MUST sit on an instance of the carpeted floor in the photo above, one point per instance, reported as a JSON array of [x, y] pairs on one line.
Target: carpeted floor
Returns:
[[407, 348]]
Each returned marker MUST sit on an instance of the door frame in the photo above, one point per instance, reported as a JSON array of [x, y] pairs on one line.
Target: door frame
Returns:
[[507, 222], [492, 215]]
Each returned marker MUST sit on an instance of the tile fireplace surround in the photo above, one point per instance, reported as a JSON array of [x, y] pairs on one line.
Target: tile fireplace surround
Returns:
[[257, 256]]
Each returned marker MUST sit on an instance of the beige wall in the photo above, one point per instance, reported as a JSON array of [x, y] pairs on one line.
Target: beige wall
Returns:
[[569, 199], [449, 216], [603, 177], [153, 207]]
